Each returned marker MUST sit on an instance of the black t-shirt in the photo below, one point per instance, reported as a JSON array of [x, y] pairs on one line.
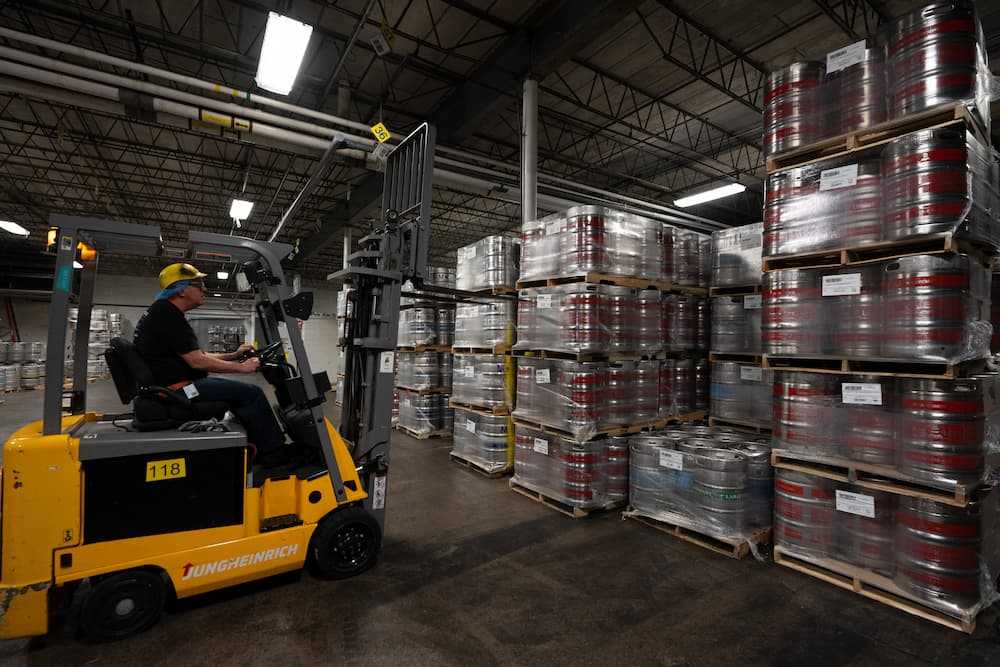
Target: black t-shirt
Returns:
[[162, 335]]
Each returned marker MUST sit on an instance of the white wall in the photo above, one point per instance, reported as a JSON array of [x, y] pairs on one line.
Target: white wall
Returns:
[[131, 296]]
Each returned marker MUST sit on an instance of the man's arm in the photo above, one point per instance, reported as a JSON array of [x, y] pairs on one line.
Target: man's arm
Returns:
[[231, 356], [203, 361]]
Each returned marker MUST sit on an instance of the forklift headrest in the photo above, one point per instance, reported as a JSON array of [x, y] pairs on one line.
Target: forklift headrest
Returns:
[[128, 369]]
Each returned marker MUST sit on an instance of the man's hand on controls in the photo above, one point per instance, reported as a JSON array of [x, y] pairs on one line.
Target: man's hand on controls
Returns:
[[244, 348], [250, 365]]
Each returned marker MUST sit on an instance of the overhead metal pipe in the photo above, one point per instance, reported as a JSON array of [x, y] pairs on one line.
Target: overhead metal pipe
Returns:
[[317, 177]]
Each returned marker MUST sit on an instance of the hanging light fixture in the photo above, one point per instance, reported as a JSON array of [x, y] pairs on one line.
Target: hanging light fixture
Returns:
[[710, 195], [285, 42]]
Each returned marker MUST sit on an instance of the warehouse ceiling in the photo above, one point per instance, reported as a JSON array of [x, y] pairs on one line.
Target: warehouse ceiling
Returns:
[[651, 99]]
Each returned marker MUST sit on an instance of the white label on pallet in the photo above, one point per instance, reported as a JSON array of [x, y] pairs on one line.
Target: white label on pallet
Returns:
[[541, 446], [468, 371], [852, 54], [841, 177], [751, 302], [861, 393], [845, 284], [751, 373], [552, 228], [405, 402], [671, 459], [386, 360], [856, 503], [470, 426], [543, 301], [542, 376]]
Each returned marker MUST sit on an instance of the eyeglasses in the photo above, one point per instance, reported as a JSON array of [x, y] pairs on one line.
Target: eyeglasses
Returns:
[[199, 285]]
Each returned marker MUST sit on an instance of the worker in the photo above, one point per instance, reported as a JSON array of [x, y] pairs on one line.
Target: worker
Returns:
[[168, 344]]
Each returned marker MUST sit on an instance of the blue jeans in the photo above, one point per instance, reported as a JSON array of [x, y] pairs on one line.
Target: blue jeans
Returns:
[[249, 403]]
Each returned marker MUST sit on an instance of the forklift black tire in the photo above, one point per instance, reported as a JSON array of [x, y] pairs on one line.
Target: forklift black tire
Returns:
[[122, 604], [346, 542]]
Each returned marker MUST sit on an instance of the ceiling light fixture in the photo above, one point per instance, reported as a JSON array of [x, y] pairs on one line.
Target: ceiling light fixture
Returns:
[[222, 275], [285, 42], [13, 228], [239, 210], [710, 195]]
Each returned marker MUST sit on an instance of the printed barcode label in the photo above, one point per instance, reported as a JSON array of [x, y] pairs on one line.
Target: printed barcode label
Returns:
[[671, 459], [841, 177], [470, 426], [846, 284], [541, 376], [852, 54], [552, 228], [861, 393], [751, 302], [751, 373], [543, 301], [541, 446], [468, 371], [856, 503]]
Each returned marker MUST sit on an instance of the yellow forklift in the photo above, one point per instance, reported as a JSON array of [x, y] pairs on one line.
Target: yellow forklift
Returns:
[[119, 514]]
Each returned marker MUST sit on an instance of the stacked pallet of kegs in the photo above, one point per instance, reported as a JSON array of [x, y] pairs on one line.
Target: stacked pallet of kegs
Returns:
[[612, 333], [716, 482], [483, 369], [740, 393], [876, 319]]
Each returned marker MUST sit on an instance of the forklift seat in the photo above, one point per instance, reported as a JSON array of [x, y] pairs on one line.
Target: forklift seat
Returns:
[[154, 408]]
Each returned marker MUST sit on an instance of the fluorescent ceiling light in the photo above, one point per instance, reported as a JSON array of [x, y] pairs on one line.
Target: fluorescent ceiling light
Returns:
[[77, 265], [13, 228], [285, 42], [222, 275], [240, 209], [216, 295], [710, 195]]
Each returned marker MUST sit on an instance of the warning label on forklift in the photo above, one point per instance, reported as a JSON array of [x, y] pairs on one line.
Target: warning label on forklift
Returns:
[[386, 360], [378, 492]]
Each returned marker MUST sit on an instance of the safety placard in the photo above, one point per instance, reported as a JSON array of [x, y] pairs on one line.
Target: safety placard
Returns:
[[846, 284], [378, 492], [852, 54], [541, 446], [840, 177], [861, 393], [543, 301], [381, 133], [671, 459], [856, 503], [542, 376], [751, 302], [386, 361], [157, 471], [751, 373], [470, 426]]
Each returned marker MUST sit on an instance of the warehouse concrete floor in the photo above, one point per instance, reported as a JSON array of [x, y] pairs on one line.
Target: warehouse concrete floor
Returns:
[[475, 574]]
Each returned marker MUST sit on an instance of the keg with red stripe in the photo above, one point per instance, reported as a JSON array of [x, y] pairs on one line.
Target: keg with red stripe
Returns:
[[579, 325], [701, 325], [649, 321], [928, 308], [806, 412], [870, 430], [583, 245], [795, 214], [618, 319], [530, 464], [937, 551], [581, 472], [668, 238], [860, 93], [857, 208], [857, 318], [793, 321], [617, 468], [793, 114], [868, 542], [940, 428], [583, 388], [620, 394], [925, 182], [527, 321], [803, 513], [933, 57]]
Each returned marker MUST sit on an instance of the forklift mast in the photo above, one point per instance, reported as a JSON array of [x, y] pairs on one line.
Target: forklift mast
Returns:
[[393, 253]]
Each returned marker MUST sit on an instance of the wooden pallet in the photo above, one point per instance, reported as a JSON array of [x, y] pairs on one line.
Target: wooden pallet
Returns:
[[621, 281], [591, 356], [424, 348], [877, 135], [755, 358], [886, 368], [734, 290], [874, 587], [874, 476], [732, 547], [425, 392], [884, 250], [423, 436], [475, 467], [556, 504], [614, 431], [499, 348], [495, 411], [749, 426]]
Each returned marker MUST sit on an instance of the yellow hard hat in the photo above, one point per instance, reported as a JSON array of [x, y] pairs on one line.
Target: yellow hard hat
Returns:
[[175, 272]]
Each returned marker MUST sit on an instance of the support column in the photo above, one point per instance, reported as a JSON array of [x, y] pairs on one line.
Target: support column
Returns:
[[347, 246], [529, 151]]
